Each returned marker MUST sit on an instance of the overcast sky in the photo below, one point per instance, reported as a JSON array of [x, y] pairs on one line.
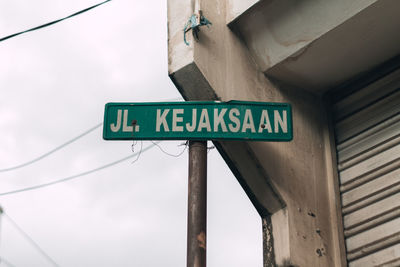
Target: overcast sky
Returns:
[[54, 84]]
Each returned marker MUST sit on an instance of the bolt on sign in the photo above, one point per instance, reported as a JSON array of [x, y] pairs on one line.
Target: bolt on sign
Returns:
[[233, 120]]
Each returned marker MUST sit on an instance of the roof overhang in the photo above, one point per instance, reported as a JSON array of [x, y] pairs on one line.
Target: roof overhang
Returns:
[[317, 45]]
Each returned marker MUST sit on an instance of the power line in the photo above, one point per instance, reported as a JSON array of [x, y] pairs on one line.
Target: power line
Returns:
[[6, 262], [59, 147], [51, 151], [30, 240], [52, 22], [76, 175]]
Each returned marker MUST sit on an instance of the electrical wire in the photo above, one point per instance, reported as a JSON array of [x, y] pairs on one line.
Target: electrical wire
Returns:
[[138, 154], [77, 175], [6, 262], [30, 240], [169, 154], [51, 151], [53, 22], [59, 147]]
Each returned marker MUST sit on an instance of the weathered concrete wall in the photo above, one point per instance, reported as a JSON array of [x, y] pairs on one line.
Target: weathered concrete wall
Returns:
[[280, 227], [179, 54], [274, 175], [236, 8]]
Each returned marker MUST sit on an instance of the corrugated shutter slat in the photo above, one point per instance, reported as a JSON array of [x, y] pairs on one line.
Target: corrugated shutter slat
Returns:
[[367, 132]]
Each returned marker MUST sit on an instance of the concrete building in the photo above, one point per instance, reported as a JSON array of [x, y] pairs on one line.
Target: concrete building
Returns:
[[330, 197]]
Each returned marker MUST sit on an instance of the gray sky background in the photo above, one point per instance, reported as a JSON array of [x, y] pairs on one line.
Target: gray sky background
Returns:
[[54, 83]]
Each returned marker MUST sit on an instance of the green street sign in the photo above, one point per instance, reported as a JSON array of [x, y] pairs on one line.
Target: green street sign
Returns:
[[233, 120]]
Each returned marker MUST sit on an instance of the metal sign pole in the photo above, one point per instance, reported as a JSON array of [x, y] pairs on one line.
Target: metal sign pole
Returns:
[[197, 204]]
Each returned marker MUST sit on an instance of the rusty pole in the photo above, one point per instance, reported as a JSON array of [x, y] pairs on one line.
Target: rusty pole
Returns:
[[197, 204]]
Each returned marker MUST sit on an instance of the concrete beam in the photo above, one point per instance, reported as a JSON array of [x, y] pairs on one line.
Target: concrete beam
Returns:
[[236, 8], [304, 43]]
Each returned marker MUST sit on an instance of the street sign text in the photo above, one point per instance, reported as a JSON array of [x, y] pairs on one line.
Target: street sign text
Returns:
[[234, 120]]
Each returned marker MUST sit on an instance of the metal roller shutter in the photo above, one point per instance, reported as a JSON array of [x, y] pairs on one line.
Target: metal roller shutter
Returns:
[[367, 131]]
